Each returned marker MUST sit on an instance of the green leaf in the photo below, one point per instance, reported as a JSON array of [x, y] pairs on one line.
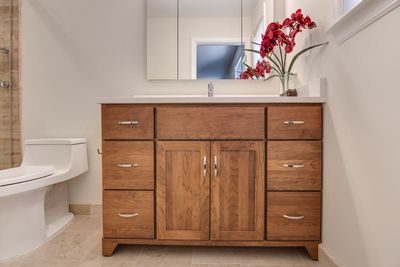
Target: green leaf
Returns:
[[252, 50], [302, 52], [272, 76], [256, 43], [276, 65]]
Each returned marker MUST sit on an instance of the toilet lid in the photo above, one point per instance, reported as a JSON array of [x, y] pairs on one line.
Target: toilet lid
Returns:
[[24, 174]]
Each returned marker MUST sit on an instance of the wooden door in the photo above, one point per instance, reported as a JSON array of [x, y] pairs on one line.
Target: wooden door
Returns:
[[237, 186], [183, 184]]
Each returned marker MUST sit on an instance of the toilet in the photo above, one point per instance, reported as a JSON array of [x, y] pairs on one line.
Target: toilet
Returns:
[[34, 202]]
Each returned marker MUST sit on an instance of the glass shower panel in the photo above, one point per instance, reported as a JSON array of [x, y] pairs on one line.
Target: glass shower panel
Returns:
[[6, 144]]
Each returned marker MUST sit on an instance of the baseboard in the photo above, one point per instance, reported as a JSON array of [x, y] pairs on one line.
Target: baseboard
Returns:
[[85, 209], [325, 258]]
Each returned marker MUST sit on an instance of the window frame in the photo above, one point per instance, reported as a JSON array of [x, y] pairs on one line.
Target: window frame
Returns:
[[358, 18]]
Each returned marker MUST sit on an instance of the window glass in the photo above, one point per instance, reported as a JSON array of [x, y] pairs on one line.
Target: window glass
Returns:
[[349, 4]]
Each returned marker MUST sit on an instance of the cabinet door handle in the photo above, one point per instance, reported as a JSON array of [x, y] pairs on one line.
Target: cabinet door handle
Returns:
[[293, 217], [215, 166], [128, 215], [128, 122], [131, 165], [294, 166], [205, 166], [293, 122]]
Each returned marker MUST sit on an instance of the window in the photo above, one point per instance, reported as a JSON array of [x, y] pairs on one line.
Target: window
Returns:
[[355, 15], [257, 39], [348, 5]]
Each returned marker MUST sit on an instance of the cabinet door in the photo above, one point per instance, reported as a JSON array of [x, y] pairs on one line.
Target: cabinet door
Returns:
[[183, 183], [237, 198]]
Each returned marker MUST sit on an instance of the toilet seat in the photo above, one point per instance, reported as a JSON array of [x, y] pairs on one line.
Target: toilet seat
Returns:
[[24, 173]]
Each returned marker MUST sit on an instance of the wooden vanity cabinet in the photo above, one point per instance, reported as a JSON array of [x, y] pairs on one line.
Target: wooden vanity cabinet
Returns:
[[212, 175]]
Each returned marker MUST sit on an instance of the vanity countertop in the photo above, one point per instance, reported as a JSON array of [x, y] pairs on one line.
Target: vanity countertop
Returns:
[[204, 99], [313, 92]]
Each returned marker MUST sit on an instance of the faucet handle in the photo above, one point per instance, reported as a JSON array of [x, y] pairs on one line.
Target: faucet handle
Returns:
[[210, 89]]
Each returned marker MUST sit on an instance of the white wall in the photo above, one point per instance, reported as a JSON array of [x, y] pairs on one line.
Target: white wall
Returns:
[[74, 51], [361, 138]]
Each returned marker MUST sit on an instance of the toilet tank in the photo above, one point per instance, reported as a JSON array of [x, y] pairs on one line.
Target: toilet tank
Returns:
[[65, 154]]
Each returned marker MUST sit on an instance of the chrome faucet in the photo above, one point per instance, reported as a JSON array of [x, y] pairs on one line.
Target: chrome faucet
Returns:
[[4, 84], [210, 89], [4, 50]]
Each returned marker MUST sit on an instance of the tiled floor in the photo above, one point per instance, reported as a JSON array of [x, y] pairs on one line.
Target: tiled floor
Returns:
[[79, 245]]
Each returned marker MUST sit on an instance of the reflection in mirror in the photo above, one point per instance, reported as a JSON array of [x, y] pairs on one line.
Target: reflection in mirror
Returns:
[[203, 39], [162, 39], [256, 14], [209, 39]]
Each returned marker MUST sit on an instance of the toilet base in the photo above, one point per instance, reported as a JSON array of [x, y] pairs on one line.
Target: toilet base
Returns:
[[59, 225], [29, 219]]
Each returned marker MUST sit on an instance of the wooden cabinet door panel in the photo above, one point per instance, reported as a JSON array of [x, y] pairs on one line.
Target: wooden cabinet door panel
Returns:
[[237, 209], [294, 122], [127, 122], [293, 216], [183, 190], [294, 165], [210, 122], [128, 214], [128, 165]]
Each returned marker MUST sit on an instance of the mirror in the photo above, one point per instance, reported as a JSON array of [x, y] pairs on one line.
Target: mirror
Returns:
[[203, 39]]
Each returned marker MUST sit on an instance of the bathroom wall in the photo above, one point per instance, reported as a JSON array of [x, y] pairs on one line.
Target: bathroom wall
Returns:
[[77, 50], [362, 145]]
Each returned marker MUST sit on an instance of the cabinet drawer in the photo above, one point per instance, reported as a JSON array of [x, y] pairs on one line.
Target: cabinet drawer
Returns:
[[128, 214], [294, 122], [294, 216], [127, 122], [210, 122], [294, 165], [128, 165]]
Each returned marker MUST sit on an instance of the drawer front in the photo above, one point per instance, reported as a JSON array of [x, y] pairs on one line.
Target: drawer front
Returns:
[[294, 216], [127, 122], [210, 123], [294, 122], [128, 214], [128, 165], [294, 165]]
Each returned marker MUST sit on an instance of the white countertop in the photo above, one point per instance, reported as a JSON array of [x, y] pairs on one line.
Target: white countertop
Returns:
[[314, 92], [183, 99]]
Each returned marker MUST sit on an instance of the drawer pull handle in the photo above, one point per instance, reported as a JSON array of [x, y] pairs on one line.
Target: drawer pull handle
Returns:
[[130, 215], [293, 122], [205, 166], [133, 165], [293, 217], [294, 166], [215, 166], [128, 122]]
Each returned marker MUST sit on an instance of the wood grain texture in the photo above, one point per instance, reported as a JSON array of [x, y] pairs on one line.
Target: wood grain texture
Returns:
[[108, 247], [112, 114], [210, 122], [237, 209], [311, 115], [216, 243], [312, 250], [182, 190], [307, 204], [128, 202], [128, 152], [307, 153]]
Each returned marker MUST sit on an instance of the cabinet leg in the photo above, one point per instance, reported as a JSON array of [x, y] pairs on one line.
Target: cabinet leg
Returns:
[[108, 247], [312, 251]]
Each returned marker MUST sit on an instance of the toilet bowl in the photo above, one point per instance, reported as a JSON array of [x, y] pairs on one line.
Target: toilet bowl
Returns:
[[34, 202]]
